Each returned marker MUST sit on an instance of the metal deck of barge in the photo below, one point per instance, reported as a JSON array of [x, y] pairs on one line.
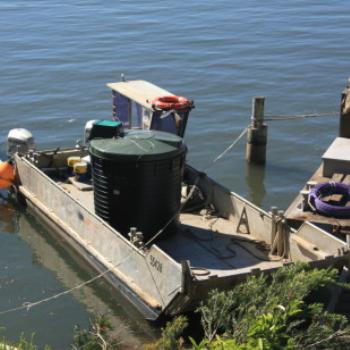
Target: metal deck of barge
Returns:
[[211, 243]]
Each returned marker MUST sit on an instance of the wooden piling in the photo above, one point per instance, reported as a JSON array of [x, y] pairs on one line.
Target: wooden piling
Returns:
[[280, 247], [273, 213], [257, 133], [344, 124]]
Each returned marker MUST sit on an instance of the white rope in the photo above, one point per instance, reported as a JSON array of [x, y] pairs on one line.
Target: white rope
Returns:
[[29, 305], [233, 144], [300, 116]]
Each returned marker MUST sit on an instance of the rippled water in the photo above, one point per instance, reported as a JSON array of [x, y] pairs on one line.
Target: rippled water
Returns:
[[56, 57]]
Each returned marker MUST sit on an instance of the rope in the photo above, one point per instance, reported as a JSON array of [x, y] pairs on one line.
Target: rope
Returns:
[[301, 116], [221, 155], [28, 305]]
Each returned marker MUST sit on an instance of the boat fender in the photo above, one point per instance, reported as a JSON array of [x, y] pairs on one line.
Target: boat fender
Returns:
[[7, 175], [171, 102], [328, 209]]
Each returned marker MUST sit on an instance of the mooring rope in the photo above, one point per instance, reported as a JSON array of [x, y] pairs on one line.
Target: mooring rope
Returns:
[[233, 144], [29, 305], [300, 116]]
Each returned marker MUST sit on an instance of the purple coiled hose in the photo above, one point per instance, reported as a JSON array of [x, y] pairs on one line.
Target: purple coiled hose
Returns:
[[327, 209]]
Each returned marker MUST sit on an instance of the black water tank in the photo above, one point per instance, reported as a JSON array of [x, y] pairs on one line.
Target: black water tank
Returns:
[[137, 180]]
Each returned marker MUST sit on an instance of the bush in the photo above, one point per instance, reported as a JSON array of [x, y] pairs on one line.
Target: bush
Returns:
[[270, 313], [171, 335], [96, 337], [22, 344]]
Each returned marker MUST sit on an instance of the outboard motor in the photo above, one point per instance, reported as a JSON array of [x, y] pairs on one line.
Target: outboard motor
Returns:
[[19, 140], [87, 131]]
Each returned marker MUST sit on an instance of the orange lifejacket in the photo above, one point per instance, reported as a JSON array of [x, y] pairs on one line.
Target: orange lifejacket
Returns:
[[7, 175]]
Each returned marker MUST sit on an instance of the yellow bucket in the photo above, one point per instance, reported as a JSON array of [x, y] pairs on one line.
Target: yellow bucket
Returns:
[[73, 160], [80, 168]]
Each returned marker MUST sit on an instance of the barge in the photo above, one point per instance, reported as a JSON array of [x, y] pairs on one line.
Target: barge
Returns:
[[164, 253]]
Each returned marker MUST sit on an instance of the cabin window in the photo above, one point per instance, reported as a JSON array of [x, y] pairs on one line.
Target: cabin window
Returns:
[[146, 117], [136, 116], [130, 113], [121, 109]]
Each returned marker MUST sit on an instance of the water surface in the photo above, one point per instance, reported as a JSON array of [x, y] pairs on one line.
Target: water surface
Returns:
[[56, 57]]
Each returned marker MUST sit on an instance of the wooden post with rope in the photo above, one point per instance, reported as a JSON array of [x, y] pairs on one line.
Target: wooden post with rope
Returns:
[[257, 133], [344, 124]]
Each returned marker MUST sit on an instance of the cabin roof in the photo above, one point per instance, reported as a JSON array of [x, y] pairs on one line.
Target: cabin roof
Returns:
[[140, 91]]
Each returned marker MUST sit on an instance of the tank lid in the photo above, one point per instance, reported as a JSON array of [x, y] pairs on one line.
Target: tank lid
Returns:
[[107, 123], [143, 146], [166, 137]]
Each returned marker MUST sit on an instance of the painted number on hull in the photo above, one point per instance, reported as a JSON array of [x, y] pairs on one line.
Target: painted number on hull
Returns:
[[156, 263]]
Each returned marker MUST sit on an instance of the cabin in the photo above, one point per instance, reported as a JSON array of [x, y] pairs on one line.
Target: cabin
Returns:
[[133, 105]]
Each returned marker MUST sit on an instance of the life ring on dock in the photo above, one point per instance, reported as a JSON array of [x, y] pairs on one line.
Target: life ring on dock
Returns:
[[171, 102], [327, 209], [7, 175]]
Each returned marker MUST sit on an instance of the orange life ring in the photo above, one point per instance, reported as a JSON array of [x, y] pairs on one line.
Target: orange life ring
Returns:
[[171, 102]]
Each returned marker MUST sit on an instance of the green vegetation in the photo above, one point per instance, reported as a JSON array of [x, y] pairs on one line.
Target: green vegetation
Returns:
[[270, 313], [22, 344], [265, 313], [96, 337], [171, 335]]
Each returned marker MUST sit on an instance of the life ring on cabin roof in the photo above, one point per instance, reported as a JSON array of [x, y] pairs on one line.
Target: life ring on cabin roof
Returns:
[[171, 102], [325, 208]]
